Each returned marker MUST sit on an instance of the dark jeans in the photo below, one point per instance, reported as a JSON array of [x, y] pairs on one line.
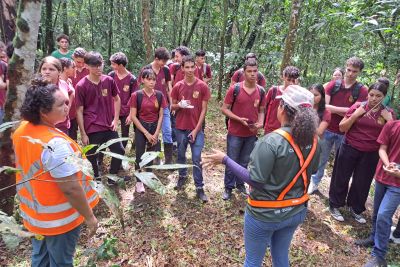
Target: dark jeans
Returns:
[[196, 147], [55, 250], [238, 149], [124, 129], [173, 125], [73, 129], [352, 162], [141, 141], [100, 138]]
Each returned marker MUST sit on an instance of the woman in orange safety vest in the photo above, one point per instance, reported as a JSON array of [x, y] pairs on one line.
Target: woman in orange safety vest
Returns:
[[55, 196]]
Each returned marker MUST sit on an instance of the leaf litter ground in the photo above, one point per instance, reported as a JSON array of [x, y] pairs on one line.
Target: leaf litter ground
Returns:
[[177, 230]]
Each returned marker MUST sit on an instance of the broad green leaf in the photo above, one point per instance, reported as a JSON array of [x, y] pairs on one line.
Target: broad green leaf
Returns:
[[170, 166], [83, 165], [12, 232], [118, 156], [151, 180], [9, 170], [118, 180], [87, 148], [6, 125], [373, 21], [107, 250], [110, 198], [38, 141], [110, 142], [148, 157]]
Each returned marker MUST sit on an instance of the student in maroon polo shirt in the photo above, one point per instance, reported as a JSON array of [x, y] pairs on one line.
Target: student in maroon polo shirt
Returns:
[[338, 104], [387, 193], [190, 98], [289, 76], [358, 153], [239, 77], [246, 117], [203, 71], [98, 105], [127, 85], [176, 69], [164, 85], [80, 72], [148, 119]]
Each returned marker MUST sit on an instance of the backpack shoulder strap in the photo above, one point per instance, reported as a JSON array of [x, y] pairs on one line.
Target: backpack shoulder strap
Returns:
[[112, 74], [166, 71], [159, 96], [336, 87], [139, 100], [355, 93], [132, 82], [262, 93], [236, 90]]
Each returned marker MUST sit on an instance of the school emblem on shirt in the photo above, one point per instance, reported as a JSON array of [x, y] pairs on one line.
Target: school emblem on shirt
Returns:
[[381, 120], [196, 94], [104, 92], [351, 99], [256, 102], [126, 88]]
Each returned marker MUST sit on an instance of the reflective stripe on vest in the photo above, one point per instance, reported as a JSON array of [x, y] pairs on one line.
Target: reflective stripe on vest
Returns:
[[280, 202]]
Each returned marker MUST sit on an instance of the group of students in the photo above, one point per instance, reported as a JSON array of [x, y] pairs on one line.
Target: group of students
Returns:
[[281, 167]]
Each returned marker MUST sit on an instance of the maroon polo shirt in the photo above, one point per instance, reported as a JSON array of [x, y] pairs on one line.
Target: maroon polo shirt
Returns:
[[200, 72], [98, 103], [149, 109], [326, 116], [187, 118], [67, 90], [365, 130], [390, 136], [238, 76], [271, 110], [124, 91], [78, 76], [176, 70], [162, 79], [343, 98], [245, 106]]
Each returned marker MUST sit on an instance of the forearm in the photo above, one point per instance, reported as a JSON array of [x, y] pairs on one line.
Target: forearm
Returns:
[[241, 172], [261, 116], [117, 108], [139, 125], [3, 84], [159, 122], [384, 156], [79, 119], [337, 110], [346, 123], [77, 198], [227, 112]]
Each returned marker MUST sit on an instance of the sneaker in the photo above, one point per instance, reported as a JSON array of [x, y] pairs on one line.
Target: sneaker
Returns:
[[395, 240], [140, 187], [227, 194], [376, 262], [242, 189], [181, 182], [312, 189], [358, 217], [367, 242], [335, 213], [201, 195]]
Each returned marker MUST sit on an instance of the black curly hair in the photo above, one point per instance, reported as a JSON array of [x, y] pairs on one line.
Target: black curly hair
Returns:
[[38, 98]]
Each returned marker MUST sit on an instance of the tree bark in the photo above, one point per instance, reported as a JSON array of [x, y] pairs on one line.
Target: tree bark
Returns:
[[234, 6], [65, 17], [290, 42], [194, 24], [7, 20], [146, 29], [222, 51], [181, 21], [110, 28], [49, 39], [20, 70]]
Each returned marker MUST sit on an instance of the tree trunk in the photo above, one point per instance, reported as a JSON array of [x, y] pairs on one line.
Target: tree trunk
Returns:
[[20, 70], [110, 28], [7, 20], [65, 17], [146, 29], [49, 39], [194, 24], [291, 37], [181, 21], [234, 6], [222, 51]]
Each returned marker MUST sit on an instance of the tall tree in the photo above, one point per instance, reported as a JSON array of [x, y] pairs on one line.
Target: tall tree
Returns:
[[146, 29], [222, 51], [292, 33], [194, 24], [49, 29], [20, 70], [7, 20], [65, 17]]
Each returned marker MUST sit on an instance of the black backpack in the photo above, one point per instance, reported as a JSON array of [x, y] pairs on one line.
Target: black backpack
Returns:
[[132, 81], [355, 93], [139, 100], [236, 91]]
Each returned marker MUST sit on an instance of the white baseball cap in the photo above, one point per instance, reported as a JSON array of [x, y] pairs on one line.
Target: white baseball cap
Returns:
[[297, 96]]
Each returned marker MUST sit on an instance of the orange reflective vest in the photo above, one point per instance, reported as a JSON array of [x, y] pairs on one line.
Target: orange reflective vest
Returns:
[[43, 206], [280, 201]]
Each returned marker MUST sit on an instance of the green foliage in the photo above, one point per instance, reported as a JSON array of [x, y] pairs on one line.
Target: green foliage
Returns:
[[11, 232], [6, 125], [151, 180], [118, 156], [110, 142], [170, 166], [108, 249], [147, 157], [9, 170], [87, 148]]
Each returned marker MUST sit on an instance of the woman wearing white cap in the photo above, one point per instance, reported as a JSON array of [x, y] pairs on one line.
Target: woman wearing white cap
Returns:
[[278, 173]]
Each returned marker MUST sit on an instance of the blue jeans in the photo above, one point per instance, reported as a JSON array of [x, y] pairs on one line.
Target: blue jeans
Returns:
[[238, 149], [330, 139], [166, 127], [196, 147], [55, 251], [258, 235], [386, 201], [1, 115]]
